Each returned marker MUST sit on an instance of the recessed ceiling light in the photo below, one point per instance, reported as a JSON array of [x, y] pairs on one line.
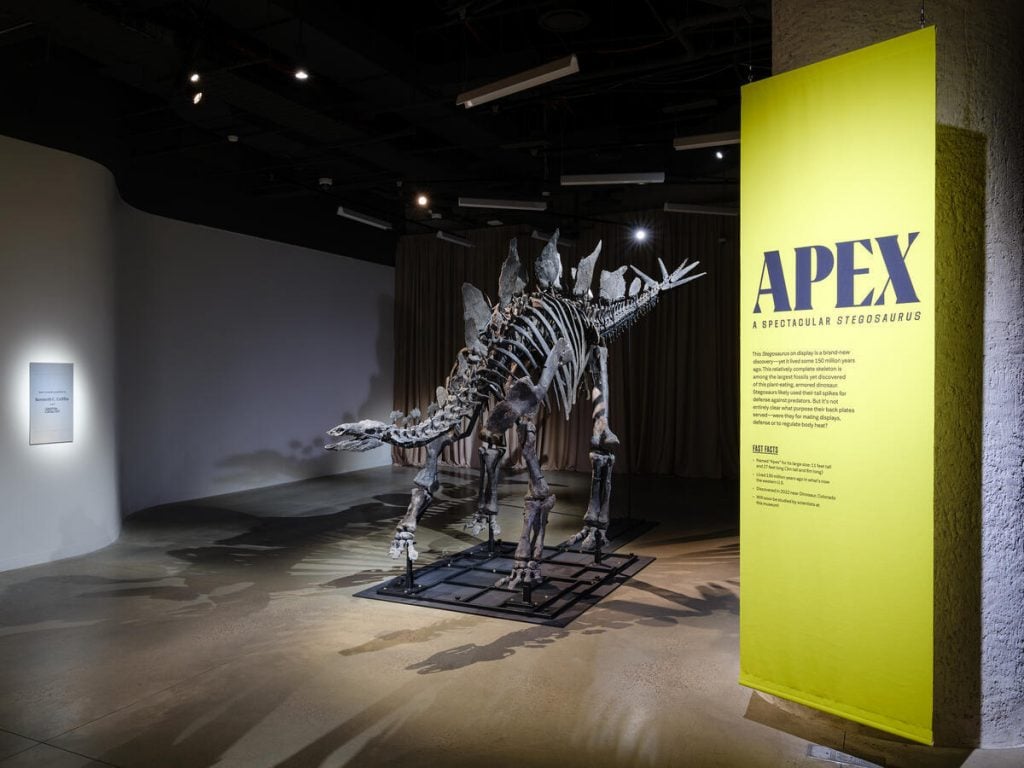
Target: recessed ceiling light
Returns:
[[301, 74], [707, 140], [194, 77], [512, 205], [449, 238], [422, 201], [597, 179], [363, 218], [197, 97], [719, 154], [640, 234], [521, 82], [711, 210]]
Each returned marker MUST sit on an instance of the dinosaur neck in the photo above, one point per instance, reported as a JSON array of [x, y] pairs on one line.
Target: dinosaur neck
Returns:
[[456, 417], [614, 318], [465, 392]]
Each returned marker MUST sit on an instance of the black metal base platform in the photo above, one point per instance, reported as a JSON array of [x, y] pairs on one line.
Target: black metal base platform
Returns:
[[465, 582]]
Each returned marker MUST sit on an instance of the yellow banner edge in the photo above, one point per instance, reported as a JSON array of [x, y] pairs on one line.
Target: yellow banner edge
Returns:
[[906, 730]]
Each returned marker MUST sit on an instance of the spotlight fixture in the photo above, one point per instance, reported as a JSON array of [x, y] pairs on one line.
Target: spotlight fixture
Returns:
[[301, 73], [363, 218], [596, 179], [708, 210], [442, 235], [640, 234], [546, 236], [512, 205], [705, 140], [531, 78], [197, 97], [193, 77], [422, 200]]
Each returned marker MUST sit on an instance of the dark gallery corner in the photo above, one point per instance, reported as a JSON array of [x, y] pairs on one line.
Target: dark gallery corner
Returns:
[[376, 389]]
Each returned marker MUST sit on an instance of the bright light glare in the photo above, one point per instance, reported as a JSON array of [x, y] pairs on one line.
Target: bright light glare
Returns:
[[194, 77], [640, 234], [198, 97], [719, 154], [301, 74], [422, 200]]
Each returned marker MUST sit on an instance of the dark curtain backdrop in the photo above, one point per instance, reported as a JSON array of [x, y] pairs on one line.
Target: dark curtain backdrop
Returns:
[[673, 376]]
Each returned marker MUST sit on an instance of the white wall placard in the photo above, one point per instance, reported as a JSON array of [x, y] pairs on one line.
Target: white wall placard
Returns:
[[52, 396]]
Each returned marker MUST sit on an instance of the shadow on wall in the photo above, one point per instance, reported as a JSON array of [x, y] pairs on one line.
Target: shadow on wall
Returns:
[[304, 459], [307, 458], [960, 182]]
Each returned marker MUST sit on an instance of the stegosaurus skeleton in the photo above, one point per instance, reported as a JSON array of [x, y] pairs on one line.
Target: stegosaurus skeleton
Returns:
[[515, 352]]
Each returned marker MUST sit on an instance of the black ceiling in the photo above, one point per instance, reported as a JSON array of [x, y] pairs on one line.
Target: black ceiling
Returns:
[[108, 79]]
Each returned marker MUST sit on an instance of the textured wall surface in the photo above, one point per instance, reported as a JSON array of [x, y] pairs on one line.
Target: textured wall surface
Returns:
[[236, 354], [981, 92], [57, 236]]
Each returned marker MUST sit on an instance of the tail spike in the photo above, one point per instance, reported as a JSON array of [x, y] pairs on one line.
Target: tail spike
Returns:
[[648, 281]]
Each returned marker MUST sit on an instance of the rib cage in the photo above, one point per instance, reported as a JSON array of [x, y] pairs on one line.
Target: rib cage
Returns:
[[519, 346]]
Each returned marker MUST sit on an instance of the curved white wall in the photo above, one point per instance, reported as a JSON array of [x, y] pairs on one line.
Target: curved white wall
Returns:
[[205, 361], [57, 245]]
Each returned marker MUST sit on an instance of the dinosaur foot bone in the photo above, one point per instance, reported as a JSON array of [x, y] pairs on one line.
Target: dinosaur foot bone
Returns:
[[478, 523], [404, 540], [522, 573], [588, 537]]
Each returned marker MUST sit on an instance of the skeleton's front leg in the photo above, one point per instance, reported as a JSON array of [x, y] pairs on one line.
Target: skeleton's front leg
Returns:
[[594, 533], [595, 522], [486, 516], [539, 501], [422, 494]]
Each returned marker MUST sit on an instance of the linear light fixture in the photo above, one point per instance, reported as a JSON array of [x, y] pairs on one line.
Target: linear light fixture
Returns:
[[706, 140], [442, 235], [546, 236], [596, 179], [712, 210], [511, 205], [363, 218], [531, 78]]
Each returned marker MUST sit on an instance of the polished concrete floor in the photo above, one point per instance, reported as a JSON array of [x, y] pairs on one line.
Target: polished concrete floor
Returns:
[[224, 632]]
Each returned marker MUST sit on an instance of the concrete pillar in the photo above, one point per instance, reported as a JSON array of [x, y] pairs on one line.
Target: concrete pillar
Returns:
[[980, 94]]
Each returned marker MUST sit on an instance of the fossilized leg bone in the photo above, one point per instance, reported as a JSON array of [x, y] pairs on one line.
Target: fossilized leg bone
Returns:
[[487, 499], [539, 501], [602, 437], [595, 522], [425, 485]]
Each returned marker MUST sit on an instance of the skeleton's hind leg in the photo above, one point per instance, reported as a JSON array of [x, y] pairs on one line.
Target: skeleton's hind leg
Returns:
[[422, 494], [595, 522], [539, 501], [486, 515]]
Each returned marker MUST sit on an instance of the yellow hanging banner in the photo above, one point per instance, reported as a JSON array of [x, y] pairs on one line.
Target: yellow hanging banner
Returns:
[[837, 303]]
